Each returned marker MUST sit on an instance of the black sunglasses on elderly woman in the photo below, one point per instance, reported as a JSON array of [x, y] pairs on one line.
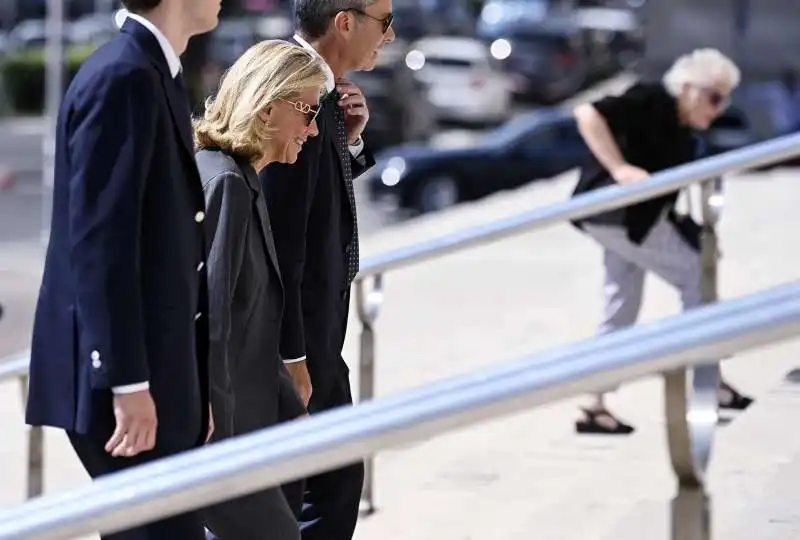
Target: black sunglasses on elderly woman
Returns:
[[716, 98]]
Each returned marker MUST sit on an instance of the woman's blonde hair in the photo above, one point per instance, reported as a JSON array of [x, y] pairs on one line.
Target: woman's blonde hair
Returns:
[[702, 67], [267, 71]]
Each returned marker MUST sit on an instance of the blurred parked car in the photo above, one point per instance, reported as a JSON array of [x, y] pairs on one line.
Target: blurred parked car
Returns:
[[89, 30], [399, 108], [548, 61], [617, 35], [730, 131], [29, 34], [535, 145], [463, 81], [211, 54], [501, 13], [454, 16], [413, 21], [93, 29], [233, 36], [15, 11]]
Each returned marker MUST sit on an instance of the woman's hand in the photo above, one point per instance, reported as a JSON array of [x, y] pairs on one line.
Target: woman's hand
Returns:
[[628, 174]]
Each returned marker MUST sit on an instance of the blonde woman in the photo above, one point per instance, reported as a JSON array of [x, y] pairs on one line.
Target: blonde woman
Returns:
[[648, 129], [264, 111]]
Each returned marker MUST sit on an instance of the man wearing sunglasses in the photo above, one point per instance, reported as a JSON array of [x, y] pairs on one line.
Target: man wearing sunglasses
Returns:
[[312, 208]]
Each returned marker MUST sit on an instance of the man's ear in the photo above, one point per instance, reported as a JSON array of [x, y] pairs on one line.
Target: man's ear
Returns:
[[344, 23]]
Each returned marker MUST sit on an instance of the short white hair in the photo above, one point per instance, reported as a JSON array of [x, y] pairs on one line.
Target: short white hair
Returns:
[[702, 67]]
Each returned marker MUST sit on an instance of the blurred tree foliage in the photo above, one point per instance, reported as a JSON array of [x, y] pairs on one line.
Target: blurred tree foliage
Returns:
[[23, 76]]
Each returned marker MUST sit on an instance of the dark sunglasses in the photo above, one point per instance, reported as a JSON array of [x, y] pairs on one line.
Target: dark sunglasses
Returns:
[[310, 112], [716, 99], [386, 22]]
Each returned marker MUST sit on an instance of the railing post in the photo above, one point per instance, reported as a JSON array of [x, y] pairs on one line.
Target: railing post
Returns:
[[35, 461], [369, 305], [691, 399]]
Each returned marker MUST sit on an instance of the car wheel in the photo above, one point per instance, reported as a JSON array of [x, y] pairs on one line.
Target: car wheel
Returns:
[[437, 194]]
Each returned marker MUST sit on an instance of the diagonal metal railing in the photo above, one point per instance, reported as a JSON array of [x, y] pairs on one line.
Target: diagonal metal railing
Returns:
[[690, 395], [297, 449], [707, 172]]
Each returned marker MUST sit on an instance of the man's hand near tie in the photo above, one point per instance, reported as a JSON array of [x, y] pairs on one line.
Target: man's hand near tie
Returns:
[[354, 105], [136, 424]]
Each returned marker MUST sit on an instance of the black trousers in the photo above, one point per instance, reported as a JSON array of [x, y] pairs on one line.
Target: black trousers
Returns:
[[331, 501], [98, 462]]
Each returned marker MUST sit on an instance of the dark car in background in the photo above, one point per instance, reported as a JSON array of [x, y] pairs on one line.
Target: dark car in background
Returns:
[[398, 105], [547, 61], [14, 11], [415, 19], [730, 131], [615, 34], [234, 35], [535, 145], [455, 16]]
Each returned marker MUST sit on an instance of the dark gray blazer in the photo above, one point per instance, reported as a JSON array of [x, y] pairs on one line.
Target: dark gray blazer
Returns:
[[250, 387]]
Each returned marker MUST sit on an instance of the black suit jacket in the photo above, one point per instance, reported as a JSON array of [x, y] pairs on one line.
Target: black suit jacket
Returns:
[[123, 298], [250, 387], [313, 223]]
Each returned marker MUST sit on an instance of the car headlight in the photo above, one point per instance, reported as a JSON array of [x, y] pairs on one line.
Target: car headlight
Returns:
[[500, 49], [415, 60], [393, 172]]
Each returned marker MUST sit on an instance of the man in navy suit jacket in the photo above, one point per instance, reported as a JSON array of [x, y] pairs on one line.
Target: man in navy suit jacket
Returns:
[[120, 338]]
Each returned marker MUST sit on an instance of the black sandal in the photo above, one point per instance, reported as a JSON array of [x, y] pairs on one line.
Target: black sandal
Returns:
[[737, 401], [590, 425]]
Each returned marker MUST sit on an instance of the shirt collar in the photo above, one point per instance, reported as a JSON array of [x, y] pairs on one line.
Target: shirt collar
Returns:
[[330, 79], [173, 61]]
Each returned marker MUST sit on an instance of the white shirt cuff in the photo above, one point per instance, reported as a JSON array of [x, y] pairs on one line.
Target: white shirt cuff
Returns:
[[293, 360], [131, 388], [357, 148]]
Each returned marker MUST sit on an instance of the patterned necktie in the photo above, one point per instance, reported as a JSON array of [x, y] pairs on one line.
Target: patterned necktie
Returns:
[[351, 252]]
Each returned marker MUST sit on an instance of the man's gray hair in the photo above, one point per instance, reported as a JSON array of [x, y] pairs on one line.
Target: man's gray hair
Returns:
[[313, 17]]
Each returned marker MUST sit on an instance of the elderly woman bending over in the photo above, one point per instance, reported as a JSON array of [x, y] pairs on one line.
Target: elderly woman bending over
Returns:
[[648, 129]]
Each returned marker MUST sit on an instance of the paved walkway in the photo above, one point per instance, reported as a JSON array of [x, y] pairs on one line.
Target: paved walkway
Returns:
[[529, 476]]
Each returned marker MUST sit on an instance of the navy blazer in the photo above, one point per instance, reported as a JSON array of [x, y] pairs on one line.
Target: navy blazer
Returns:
[[124, 290]]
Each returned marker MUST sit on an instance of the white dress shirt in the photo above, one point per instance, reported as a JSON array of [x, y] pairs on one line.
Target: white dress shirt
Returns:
[[174, 63], [173, 60]]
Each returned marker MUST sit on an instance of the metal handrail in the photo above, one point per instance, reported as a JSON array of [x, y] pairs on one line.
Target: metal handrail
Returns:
[[18, 367], [692, 446], [370, 296], [585, 205], [298, 449], [14, 367], [690, 439]]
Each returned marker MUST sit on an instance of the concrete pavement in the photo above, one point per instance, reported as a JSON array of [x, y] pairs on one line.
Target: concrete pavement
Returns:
[[530, 476]]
